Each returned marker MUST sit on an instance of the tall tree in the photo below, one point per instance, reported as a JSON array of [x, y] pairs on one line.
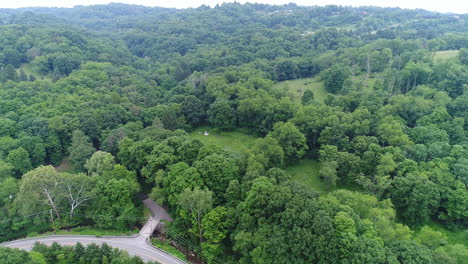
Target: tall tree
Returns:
[[78, 189], [80, 150], [196, 203], [20, 161], [290, 139], [38, 187]]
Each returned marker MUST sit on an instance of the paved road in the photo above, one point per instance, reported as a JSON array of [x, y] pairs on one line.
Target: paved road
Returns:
[[136, 245]]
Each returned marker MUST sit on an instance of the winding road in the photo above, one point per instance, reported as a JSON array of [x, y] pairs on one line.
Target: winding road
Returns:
[[137, 245]]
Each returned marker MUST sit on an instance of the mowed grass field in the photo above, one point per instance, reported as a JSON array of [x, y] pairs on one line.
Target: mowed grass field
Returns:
[[296, 88], [237, 140], [306, 171], [445, 54]]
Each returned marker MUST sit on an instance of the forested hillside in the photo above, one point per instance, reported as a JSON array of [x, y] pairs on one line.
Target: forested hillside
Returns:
[[99, 104]]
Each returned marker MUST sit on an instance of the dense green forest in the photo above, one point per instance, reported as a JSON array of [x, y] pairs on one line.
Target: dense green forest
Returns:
[[99, 103]]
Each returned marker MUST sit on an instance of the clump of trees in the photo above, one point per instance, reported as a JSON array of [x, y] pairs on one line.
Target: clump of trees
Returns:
[[73, 255]]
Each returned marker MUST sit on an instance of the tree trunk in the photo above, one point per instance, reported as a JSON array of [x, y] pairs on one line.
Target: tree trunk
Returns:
[[51, 202]]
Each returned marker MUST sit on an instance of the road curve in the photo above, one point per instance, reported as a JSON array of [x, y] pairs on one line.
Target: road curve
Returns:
[[137, 245]]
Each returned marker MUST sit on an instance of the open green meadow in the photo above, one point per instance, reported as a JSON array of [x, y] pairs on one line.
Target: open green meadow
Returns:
[[296, 88], [306, 171], [29, 69], [237, 140], [453, 236], [445, 54]]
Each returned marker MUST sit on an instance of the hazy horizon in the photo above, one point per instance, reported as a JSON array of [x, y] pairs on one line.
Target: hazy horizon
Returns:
[[448, 6]]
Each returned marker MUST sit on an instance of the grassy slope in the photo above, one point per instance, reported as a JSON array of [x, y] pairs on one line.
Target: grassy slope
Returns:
[[307, 172], [66, 166], [453, 236], [172, 250], [86, 230], [296, 88], [445, 54]]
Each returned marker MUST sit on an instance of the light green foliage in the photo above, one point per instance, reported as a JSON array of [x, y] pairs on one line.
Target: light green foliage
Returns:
[[430, 238], [37, 257], [463, 56], [215, 225], [390, 131], [195, 204], [168, 248], [328, 173], [39, 189], [99, 163]]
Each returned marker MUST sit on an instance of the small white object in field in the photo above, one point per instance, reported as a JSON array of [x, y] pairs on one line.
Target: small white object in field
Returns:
[[206, 133]]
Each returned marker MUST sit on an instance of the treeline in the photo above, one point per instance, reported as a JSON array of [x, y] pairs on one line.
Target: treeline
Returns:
[[55, 254]]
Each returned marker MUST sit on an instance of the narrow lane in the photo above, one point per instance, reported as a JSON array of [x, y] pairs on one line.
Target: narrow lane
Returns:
[[138, 245]]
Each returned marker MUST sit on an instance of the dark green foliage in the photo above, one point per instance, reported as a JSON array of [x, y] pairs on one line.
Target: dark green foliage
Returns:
[[222, 115], [8, 73], [14, 256], [335, 77], [307, 97], [217, 171], [80, 254]]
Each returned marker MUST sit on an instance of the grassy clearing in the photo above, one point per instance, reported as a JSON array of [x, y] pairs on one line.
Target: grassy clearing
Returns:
[[367, 85], [66, 166], [296, 88], [167, 247], [306, 171], [29, 69], [445, 54], [236, 140], [453, 236], [86, 230]]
